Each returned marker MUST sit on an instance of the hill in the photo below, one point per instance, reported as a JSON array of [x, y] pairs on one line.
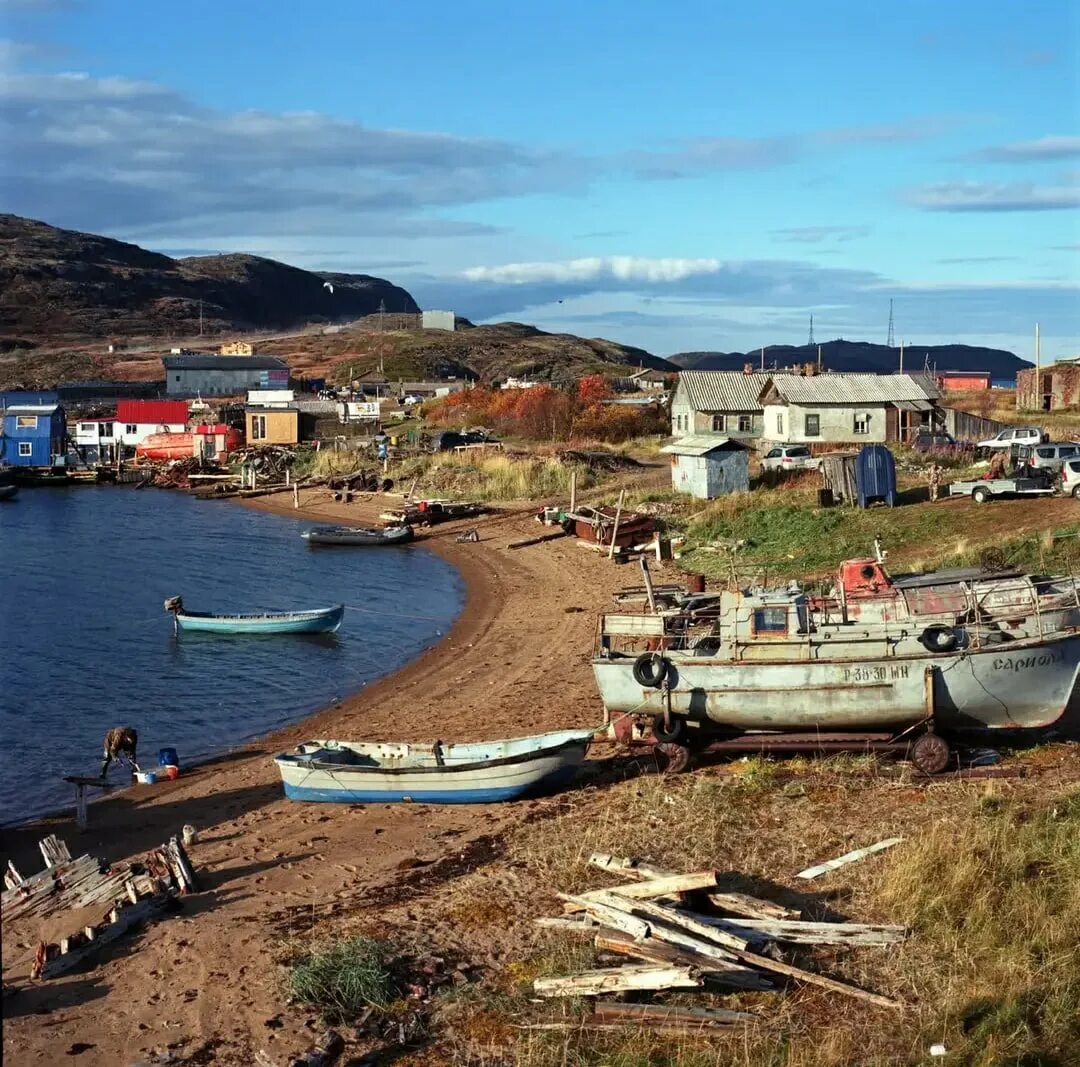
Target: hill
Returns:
[[850, 356], [489, 353], [58, 284]]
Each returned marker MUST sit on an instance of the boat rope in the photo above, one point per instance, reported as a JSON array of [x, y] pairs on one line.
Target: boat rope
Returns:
[[400, 614]]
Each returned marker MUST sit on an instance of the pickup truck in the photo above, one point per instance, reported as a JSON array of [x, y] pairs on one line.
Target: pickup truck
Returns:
[[982, 490]]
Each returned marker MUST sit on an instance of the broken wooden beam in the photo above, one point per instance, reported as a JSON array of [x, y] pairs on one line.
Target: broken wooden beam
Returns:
[[660, 952], [619, 979], [832, 984], [669, 885], [667, 917], [811, 933], [847, 857], [615, 916], [613, 1011]]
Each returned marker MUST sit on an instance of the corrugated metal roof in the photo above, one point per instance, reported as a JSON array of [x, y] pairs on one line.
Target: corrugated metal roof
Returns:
[[700, 445], [723, 390], [32, 409], [855, 388], [244, 363], [156, 412]]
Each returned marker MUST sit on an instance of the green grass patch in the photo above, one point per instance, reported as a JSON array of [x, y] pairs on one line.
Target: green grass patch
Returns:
[[344, 977]]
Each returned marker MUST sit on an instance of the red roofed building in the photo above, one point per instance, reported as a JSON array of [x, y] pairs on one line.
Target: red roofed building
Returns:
[[136, 420]]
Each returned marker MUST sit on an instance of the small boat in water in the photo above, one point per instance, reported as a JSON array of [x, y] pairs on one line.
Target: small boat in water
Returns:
[[8, 491], [316, 621], [358, 535], [475, 773]]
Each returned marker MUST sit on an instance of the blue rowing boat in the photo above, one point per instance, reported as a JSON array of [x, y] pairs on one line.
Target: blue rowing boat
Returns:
[[316, 621], [357, 772]]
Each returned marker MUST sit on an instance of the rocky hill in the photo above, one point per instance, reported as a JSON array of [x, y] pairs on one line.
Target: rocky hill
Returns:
[[57, 285], [851, 356]]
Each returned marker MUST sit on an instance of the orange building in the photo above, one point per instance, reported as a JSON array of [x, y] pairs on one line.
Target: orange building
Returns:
[[957, 381]]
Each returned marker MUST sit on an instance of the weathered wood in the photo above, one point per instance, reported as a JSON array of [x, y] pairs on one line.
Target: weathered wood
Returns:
[[616, 916], [54, 851], [537, 540], [566, 922], [121, 920], [832, 984], [619, 979], [668, 916], [607, 1011], [618, 519], [811, 933], [847, 857], [666, 886], [660, 952], [12, 878]]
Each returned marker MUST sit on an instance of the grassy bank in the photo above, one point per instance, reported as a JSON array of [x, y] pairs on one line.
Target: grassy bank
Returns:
[[491, 477]]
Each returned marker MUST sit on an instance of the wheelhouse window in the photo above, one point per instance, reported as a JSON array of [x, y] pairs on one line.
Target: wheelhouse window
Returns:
[[813, 425], [862, 422], [719, 423], [771, 621]]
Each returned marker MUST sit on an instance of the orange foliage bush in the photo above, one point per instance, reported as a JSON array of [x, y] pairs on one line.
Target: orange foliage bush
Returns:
[[545, 413]]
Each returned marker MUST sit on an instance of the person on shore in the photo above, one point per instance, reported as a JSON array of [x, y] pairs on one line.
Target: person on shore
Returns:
[[997, 466], [120, 744], [935, 481]]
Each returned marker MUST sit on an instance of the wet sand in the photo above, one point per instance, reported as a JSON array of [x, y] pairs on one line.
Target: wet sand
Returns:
[[515, 662]]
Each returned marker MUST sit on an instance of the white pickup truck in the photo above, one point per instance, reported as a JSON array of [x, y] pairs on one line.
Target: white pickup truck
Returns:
[[983, 490]]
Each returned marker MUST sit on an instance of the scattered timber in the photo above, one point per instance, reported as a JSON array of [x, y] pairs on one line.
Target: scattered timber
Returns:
[[847, 857], [659, 952], [686, 1017], [616, 979]]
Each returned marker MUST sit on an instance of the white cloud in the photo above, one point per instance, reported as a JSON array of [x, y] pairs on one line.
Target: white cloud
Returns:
[[994, 196], [1034, 151], [815, 234], [593, 268]]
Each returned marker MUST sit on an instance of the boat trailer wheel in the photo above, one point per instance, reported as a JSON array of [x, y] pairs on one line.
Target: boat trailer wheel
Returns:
[[931, 754], [672, 758], [676, 732]]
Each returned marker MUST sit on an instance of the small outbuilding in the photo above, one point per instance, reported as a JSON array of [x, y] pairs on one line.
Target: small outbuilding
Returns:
[[707, 467], [35, 435], [272, 426]]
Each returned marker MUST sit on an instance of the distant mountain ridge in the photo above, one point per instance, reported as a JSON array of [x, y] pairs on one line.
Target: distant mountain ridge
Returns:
[[854, 356], [57, 284]]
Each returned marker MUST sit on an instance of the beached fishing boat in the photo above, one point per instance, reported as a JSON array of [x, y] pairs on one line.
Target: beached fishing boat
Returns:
[[388, 772], [358, 535], [316, 621], [763, 661]]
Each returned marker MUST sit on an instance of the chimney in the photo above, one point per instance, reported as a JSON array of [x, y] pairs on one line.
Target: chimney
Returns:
[[748, 368]]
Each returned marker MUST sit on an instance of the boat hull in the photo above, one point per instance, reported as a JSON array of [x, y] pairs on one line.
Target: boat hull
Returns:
[[301, 622], [330, 537], [8, 491], [1023, 684], [498, 779]]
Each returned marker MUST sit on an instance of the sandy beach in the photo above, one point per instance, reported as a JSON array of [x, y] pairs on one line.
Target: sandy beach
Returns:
[[515, 662]]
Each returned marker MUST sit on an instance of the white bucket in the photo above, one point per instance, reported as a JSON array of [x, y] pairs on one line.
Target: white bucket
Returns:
[[145, 777]]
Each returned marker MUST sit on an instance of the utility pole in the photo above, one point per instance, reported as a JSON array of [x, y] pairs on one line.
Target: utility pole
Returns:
[[1038, 371], [762, 359], [901, 355]]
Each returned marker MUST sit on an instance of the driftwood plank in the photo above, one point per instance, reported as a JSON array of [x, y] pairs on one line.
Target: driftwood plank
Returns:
[[660, 913], [666, 886], [566, 922], [847, 857], [609, 1011], [616, 916], [767, 964], [811, 933], [619, 979], [125, 919], [660, 952]]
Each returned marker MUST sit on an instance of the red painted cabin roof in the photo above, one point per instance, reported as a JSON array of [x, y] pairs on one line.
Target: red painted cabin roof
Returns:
[[157, 412]]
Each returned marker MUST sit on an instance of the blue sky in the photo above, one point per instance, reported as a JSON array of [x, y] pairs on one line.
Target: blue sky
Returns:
[[678, 176]]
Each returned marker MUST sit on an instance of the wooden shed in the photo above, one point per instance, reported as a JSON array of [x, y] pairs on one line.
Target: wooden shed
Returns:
[[272, 426], [708, 467]]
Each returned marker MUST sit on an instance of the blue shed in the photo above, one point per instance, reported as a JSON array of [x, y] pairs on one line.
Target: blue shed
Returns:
[[34, 434], [875, 475]]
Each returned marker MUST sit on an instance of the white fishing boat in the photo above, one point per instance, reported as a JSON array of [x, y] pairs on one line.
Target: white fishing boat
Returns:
[[356, 772]]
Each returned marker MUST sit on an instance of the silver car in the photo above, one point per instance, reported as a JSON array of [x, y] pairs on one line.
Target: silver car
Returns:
[[1051, 457], [1070, 477], [789, 458]]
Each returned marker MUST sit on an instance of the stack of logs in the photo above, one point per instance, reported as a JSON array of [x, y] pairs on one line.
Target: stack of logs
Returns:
[[133, 893], [685, 934]]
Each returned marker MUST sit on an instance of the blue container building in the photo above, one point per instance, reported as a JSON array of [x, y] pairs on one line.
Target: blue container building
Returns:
[[35, 435]]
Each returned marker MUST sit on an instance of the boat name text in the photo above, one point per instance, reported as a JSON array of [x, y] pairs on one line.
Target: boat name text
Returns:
[[875, 674]]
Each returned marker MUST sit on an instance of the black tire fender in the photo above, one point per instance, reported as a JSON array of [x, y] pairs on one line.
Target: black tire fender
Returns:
[[677, 732], [939, 639], [650, 670]]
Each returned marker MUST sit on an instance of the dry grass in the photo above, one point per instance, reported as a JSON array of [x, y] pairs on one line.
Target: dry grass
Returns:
[[493, 477]]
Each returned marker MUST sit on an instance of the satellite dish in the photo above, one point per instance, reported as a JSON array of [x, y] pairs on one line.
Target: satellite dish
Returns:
[[327, 285]]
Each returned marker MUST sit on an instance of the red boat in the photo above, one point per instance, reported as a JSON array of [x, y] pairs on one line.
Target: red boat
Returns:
[[218, 440]]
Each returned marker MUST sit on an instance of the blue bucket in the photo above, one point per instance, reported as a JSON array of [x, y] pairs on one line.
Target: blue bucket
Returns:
[[167, 757]]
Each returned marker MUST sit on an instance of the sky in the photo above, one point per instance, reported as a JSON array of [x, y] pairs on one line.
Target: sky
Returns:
[[679, 176]]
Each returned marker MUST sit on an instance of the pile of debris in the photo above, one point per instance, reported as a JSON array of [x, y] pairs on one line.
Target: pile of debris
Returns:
[[432, 512], [133, 893], [684, 933], [266, 464]]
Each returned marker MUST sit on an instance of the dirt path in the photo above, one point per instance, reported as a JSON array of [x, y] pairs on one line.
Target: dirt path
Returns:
[[516, 662]]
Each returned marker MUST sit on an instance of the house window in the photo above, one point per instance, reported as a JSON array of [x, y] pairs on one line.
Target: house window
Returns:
[[26, 422], [176, 377], [862, 422], [258, 427], [26, 448], [780, 422], [719, 423], [813, 425], [131, 428], [746, 424]]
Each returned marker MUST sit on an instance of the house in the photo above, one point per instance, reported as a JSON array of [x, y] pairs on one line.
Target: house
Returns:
[[650, 381], [846, 408], [373, 383], [273, 426], [1057, 389], [723, 403], [962, 381], [199, 374], [136, 420], [95, 439], [438, 320], [35, 435], [707, 467], [270, 398], [518, 383], [237, 348]]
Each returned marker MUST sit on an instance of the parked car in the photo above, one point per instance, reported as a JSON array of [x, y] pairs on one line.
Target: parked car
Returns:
[[789, 458], [940, 442], [1070, 477], [1052, 457], [411, 400], [1014, 435]]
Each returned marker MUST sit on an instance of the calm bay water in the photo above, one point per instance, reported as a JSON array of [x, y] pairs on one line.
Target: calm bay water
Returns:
[[85, 644]]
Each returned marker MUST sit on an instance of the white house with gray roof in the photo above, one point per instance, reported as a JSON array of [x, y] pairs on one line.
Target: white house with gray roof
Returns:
[[847, 408], [719, 402]]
